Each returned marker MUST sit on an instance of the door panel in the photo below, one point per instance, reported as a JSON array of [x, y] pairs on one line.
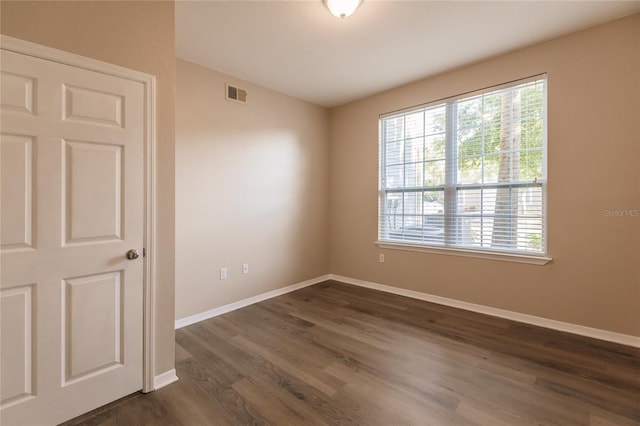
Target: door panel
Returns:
[[83, 104], [17, 364], [92, 327], [16, 169], [92, 191], [72, 206], [18, 92]]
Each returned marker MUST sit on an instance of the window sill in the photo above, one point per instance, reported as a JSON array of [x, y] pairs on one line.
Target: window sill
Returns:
[[507, 257]]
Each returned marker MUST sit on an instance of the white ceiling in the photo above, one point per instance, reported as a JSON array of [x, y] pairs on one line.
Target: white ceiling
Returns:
[[299, 48]]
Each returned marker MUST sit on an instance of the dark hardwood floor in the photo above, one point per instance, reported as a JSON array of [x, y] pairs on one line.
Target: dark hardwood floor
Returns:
[[338, 354]]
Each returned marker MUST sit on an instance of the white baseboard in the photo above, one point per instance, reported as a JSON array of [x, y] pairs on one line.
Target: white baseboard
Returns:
[[609, 336], [183, 322], [164, 379]]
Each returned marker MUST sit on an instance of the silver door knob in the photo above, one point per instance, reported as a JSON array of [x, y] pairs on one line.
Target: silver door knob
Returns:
[[133, 254]]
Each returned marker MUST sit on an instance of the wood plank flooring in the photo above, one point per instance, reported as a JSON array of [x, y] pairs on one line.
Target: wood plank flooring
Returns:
[[335, 354]]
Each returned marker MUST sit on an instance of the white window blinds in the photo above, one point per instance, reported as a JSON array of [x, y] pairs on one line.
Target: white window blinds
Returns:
[[467, 172]]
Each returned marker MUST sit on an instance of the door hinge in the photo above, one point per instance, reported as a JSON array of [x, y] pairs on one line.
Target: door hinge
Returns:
[[144, 252]]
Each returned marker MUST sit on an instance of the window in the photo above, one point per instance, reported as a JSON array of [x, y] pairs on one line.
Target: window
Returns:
[[467, 172]]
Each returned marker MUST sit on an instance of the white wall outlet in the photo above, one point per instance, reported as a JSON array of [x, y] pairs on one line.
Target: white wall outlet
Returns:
[[223, 273], [381, 258], [245, 268]]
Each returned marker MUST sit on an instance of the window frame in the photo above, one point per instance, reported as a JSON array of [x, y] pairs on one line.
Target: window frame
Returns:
[[451, 186]]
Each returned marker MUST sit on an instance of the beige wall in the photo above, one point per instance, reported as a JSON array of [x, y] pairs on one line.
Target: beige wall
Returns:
[[139, 36], [251, 187], [593, 166]]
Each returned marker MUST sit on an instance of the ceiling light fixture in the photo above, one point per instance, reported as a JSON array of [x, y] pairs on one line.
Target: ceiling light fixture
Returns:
[[342, 8]]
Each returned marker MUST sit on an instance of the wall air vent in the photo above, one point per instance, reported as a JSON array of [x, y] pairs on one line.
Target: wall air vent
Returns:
[[236, 94]]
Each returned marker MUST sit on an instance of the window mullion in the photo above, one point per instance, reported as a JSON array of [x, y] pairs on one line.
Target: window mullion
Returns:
[[384, 220], [451, 171], [404, 173]]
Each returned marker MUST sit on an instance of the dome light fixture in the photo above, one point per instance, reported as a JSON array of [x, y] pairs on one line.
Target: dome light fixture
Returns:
[[342, 8]]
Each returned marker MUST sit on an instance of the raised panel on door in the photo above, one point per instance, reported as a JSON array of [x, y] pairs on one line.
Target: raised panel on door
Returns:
[[92, 106], [92, 325], [16, 333], [17, 92], [16, 190], [92, 191]]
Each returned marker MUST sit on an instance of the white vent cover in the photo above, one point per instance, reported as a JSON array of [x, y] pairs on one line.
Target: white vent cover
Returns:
[[236, 94]]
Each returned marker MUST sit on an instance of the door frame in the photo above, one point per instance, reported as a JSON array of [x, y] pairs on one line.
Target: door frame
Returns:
[[149, 239]]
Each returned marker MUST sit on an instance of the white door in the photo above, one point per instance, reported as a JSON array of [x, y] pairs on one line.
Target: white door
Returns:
[[72, 206]]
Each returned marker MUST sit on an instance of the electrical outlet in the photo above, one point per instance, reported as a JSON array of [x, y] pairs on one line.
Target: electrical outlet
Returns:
[[381, 258], [223, 273], [245, 268]]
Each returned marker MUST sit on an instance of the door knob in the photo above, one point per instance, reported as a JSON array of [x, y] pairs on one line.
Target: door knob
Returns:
[[133, 254]]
